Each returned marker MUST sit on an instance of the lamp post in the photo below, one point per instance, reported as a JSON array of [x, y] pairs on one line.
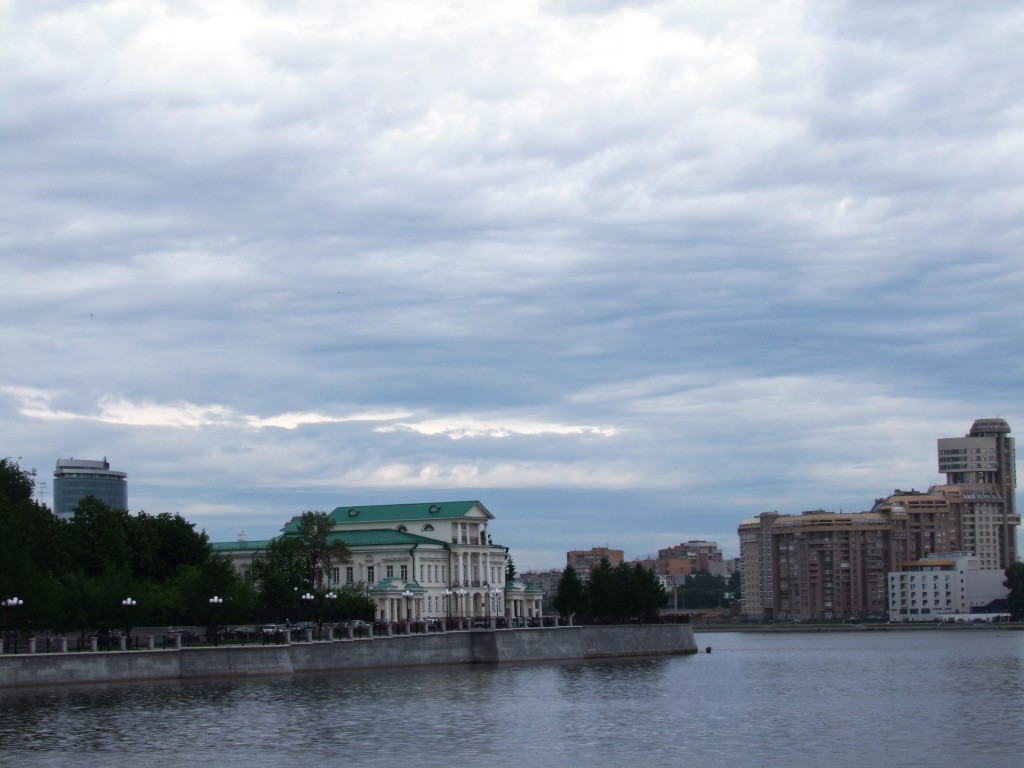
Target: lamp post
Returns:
[[308, 598], [330, 597], [9, 605], [407, 594], [447, 594], [215, 601], [461, 597], [126, 605], [495, 594]]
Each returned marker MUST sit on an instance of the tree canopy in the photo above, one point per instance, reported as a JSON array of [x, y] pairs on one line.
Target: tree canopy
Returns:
[[611, 594], [1015, 583], [74, 574]]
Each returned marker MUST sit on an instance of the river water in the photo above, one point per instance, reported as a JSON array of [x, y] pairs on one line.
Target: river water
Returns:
[[913, 698]]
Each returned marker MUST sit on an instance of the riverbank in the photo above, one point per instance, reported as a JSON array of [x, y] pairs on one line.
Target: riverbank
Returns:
[[446, 648], [824, 627]]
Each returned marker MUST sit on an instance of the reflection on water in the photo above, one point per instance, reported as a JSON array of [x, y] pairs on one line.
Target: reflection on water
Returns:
[[906, 698]]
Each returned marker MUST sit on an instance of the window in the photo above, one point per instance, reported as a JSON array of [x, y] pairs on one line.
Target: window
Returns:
[[349, 575], [428, 527], [335, 575], [405, 572], [371, 574], [389, 571], [401, 528]]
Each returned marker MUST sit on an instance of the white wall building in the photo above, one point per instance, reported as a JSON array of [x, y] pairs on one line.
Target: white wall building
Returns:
[[417, 561], [943, 584]]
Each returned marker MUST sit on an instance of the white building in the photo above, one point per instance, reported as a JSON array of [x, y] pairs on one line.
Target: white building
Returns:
[[418, 561], [941, 585]]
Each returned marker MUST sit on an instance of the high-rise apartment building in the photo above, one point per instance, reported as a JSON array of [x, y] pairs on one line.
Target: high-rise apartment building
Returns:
[[757, 593], [74, 479], [982, 466], [701, 554], [585, 560]]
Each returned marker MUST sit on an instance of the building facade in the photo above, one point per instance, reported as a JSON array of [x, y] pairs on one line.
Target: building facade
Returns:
[[417, 561], [546, 581], [75, 479], [757, 584], [703, 556], [585, 560], [943, 586], [982, 465]]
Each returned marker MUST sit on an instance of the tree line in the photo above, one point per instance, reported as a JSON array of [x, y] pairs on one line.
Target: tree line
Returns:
[[106, 568], [611, 594]]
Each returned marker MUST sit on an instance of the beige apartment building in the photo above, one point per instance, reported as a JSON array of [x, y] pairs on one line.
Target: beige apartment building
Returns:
[[982, 467], [829, 565], [584, 560], [755, 565]]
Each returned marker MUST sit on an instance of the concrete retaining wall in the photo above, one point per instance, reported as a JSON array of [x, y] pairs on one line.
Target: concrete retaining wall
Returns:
[[475, 647]]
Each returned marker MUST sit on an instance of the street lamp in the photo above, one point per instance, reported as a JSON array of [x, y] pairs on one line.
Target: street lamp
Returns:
[[408, 604], [214, 602], [447, 594], [330, 597], [308, 599], [9, 604], [461, 597], [127, 604], [495, 594]]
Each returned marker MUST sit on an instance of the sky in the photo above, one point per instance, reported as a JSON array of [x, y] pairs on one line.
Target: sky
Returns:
[[626, 272]]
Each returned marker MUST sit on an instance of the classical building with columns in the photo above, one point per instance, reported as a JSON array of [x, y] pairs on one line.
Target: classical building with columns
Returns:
[[418, 561]]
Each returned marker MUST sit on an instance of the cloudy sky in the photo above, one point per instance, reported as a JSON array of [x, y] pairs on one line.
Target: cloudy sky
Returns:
[[626, 272]]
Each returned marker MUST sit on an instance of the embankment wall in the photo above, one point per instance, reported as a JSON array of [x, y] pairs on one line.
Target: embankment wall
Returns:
[[474, 647]]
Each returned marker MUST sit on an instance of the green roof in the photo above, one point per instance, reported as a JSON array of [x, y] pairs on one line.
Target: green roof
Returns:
[[237, 546], [384, 513], [380, 536]]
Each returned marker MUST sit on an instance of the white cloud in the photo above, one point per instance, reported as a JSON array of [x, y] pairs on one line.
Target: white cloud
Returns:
[[715, 257]]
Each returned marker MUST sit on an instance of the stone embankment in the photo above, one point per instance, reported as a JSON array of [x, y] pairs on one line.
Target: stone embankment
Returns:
[[466, 647]]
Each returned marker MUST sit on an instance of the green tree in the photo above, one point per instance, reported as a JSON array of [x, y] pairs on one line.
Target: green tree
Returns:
[[279, 573], [320, 551], [647, 595], [510, 568], [703, 590], [1015, 583], [735, 585], [571, 594], [98, 538], [605, 592]]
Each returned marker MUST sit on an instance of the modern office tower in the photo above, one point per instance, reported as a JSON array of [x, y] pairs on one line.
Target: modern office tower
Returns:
[[982, 465], [756, 594], [74, 479]]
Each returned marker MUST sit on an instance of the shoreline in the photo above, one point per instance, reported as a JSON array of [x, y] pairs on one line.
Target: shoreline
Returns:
[[477, 646], [901, 627]]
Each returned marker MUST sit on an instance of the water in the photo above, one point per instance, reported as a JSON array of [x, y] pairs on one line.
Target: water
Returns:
[[932, 698]]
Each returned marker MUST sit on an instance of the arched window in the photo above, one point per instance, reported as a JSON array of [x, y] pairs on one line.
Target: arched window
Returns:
[[428, 527], [401, 528]]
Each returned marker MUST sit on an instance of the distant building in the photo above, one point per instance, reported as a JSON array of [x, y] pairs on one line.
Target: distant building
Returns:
[[583, 561], [74, 479], [416, 561], [669, 568], [982, 465], [546, 581], [944, 585], [757, 594], [703, 555]]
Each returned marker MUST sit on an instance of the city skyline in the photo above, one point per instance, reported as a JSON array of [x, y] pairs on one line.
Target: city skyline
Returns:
[[627, 273]]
